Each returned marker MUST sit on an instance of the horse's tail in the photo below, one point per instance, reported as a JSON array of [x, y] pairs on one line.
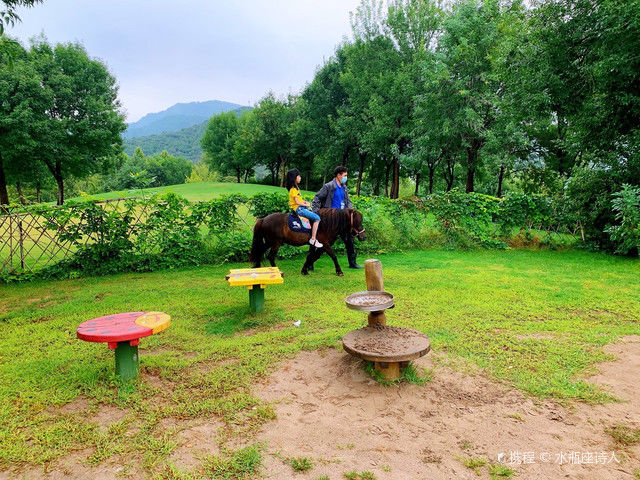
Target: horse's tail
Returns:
[[257, 246]]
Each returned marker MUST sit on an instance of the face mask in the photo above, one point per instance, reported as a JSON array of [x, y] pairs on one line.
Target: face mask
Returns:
[[344, 180]]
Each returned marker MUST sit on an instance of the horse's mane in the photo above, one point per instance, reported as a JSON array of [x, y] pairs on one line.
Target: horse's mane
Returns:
[[335, 220]]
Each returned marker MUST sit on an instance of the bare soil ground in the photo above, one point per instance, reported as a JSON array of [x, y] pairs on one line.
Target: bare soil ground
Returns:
[[329, 409]]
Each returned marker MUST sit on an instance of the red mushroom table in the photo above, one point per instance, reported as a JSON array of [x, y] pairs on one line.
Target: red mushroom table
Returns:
[[123, 331]]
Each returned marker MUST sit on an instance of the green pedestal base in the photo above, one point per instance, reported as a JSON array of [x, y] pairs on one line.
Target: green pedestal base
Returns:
[[127, 361], [256, 298]]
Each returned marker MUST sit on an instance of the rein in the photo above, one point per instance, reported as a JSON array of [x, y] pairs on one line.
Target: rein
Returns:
[[353, 229]]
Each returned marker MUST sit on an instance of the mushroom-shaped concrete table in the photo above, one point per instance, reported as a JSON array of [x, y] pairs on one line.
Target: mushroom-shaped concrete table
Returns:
[[255, 279], [122, 332], [390, 348]]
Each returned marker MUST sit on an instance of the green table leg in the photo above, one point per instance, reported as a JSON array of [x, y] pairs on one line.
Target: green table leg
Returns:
[[126, 361], [256, 299]]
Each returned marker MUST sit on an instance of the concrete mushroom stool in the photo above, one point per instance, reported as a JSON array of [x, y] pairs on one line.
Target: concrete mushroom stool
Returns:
[[255, 279], [122, 332]]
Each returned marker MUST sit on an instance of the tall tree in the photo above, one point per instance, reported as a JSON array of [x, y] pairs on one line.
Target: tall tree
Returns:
[[23, 103], [246, 145], [274, 116], [217, 143], [464, 80], [85, 121]]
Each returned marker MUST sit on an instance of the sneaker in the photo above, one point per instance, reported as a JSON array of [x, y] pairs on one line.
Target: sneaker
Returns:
[[315, 243]]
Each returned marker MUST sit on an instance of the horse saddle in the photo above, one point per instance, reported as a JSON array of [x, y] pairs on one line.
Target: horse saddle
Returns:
[[298, 224]]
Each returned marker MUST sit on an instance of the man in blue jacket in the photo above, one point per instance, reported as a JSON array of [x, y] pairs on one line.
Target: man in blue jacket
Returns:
[[335, 195]]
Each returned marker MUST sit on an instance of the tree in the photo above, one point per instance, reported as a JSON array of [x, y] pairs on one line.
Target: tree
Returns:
[[247, 140], [167, 169], [8, 15], [463, 82], [274, 116], [23, 103], [321, 102], [84, 115], [217, 143]]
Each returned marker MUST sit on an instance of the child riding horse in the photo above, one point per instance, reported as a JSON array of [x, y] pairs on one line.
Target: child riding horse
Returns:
[[272, 231]]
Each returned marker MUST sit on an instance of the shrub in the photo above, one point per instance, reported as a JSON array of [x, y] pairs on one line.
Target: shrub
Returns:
[[142, 234], [626, 235], [263, 204]]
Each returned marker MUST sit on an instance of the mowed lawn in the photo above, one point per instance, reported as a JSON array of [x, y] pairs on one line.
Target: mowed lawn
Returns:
[[196, 191], [536, 320]]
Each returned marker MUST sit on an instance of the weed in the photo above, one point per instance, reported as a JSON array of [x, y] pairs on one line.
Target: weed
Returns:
[[624, 435], [238, 464], [498, 471], [300, 464], [474, 463], [353, 475], [409, 374]]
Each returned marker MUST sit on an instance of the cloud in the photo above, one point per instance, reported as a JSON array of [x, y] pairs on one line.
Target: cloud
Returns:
[[163, 53]]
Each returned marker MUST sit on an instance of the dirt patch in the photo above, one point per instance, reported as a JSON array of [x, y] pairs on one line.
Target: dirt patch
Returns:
[[41, 319], [329, 409], [72, 467], [99, 297], [196, 442], [619, 377], [102, 415]]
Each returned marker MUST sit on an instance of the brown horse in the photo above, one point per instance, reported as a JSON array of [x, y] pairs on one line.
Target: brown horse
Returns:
[[272, 231]]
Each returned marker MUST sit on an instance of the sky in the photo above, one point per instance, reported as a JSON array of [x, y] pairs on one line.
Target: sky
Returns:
[[164, 52]]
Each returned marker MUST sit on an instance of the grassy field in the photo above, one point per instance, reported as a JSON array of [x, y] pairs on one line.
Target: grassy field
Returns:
[[535, 320], [197, 191]]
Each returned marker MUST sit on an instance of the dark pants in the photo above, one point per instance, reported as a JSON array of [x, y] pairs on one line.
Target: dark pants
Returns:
[[351, 249]]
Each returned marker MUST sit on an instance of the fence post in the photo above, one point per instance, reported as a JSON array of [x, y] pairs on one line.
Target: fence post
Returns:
[[10, 241], [21, 237]]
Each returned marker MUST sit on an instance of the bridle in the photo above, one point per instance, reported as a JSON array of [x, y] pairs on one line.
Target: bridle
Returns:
[[353, 229]]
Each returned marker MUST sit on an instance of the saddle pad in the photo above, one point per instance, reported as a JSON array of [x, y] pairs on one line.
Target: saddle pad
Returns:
[[296, 225]]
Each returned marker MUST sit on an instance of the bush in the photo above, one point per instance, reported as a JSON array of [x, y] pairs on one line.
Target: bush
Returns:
[[626, 235], [167, 231], [263, 204]]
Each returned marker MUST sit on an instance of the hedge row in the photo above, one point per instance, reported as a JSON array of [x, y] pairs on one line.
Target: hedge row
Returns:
[[166, 231]]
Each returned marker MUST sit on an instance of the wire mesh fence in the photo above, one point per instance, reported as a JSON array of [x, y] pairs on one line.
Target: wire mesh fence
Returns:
[[31, 241]]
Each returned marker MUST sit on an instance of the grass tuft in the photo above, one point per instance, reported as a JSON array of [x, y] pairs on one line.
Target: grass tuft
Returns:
[[624, 435], [300, 464], [353, 475], [240, 464]]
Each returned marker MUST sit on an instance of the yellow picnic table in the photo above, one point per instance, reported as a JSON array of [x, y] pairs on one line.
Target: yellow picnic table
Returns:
[[255, 279]]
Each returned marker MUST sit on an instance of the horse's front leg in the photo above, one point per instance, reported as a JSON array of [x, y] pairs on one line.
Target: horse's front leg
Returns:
[[329, 250]]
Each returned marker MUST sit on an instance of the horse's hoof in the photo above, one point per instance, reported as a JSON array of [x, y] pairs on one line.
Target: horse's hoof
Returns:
[[340, 274], [304, 272]]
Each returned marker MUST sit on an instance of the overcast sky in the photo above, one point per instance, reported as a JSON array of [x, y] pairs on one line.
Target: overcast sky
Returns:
[[166, 52]]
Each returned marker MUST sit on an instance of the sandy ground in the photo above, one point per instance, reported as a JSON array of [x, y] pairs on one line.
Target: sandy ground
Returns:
[[329, 409]]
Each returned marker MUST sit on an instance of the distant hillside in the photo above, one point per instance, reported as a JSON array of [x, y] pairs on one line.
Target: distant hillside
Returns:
[[179, 116], [183, 143]]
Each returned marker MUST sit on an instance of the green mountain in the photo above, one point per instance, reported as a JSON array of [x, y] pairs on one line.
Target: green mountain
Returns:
[[182, 143], [176, 117]]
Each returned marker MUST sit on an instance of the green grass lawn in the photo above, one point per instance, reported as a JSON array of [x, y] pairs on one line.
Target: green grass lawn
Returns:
[[197, 191], [536, 320]]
